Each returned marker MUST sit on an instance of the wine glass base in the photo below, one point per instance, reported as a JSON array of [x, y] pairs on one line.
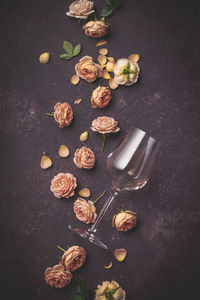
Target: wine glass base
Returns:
[[89, 236]]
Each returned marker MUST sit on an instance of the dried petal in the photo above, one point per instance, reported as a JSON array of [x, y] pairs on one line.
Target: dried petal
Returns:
[[101, 43], [120, 254], [77, 101], [103, 51], [106, 75], [85, 192], [112, 84], [108, 266], [75, 79], [84, 136], [45, 162], [102, 59], [110, 66], [134, 57], [110, 58], [63, 151], [44, 58]]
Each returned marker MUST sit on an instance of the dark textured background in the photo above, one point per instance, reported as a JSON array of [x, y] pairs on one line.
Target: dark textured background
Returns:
[[163, 251]]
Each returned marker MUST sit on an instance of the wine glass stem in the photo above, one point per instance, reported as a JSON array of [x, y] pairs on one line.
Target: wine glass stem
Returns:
[[103, 211]]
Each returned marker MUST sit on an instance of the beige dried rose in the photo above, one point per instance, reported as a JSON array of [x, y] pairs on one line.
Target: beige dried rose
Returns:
[[101, 97], [85, 211], [95, 29], [109, 290], [73, 258], [87, 69], [63, 185], [57, 276], [84, 158], [124, 221], [80, 9], [63, 114], [105, 125], [126, 71]]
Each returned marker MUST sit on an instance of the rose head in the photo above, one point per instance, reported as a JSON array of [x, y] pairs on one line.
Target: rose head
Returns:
[[124, 221], [126, 72], [63, 185], [105, 125], [80, 9], [87, 69], [85, 211], [109, 290], [101, 97], [57, 276], [63, 114], [73, 258], [84, 158], [95, 29]]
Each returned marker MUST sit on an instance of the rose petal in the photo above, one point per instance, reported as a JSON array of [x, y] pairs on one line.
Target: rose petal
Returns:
[[63, 151], [120, 254], [110, 66], [110, 58], [77, 101], [84, 136], [108, 266], [45, 162], [106, 75], [134, 57], [112, 84], [103, 51], [85, 192], [102, 59], [101, 43], [75, 79]]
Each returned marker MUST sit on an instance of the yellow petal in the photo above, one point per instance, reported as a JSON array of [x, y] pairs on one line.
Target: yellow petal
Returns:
[[103, 51], [110, 66], [106, 75], [44, 58], [85, 192], [112, 84], [134, 57], [108, 266], [45, 162], [75, 79], [84, 136], [102, 59], [120, 254], [101, 43], [63, 151], [110, 58], [77, 101]]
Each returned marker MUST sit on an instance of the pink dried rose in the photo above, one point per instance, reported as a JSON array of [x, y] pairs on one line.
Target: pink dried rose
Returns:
[[95, 29], [63, 185], [80, 9], [85, 211], [101, 97], [63, 114], [105, 125], [87, 69], [73, 258], [57, 276], [84, 158], [124, 221]]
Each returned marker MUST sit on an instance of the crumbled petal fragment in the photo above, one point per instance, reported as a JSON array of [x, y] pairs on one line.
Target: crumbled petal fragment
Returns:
[[120, 254], [110, 66], [108, 266], [45, 162], [112, 84], [134, 57], [102, 59], [85, 192], [101, 43], [84, 136], [75, 79], [103, 51], [44, 58], [77, 101], [106, 75], [63, 151]]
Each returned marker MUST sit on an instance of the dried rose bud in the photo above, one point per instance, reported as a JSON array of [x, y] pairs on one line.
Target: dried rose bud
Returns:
[[80, 9], [85, 211], [105, 125], [109, 290], [63, 185], [124, 220], [101, 97], [87, 69], [95, 29], [63, 114], [57, 276], [73, 258], [84, 158]]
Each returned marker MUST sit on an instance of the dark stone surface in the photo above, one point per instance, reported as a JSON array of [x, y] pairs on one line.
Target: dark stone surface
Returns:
[[163, 251]]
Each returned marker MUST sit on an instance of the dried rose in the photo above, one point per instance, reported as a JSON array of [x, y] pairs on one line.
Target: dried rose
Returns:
[[85, 211], [109, 290], [57, 276], [84, 158], [101, 97], [80, 9], [63, 185], [73, 258], [126, 71], [95, 29], [87, 69], [63, 114], [124, 220], [105, 125]]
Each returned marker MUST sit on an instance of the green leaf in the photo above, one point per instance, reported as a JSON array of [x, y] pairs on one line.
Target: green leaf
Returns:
[[66, 56], [108, 2], [107, 11], [77, 50], [76, 297], [82, 288], [67, 46], [115, 3]]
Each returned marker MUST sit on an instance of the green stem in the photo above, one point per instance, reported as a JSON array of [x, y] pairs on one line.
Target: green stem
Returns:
[[103, 143], [61, 248], [48, 114], [95, 201]]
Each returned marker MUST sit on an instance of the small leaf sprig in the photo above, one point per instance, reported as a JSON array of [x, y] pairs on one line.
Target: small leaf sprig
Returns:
[[70, 50], [111, 6], [127, 71], [109, 294]]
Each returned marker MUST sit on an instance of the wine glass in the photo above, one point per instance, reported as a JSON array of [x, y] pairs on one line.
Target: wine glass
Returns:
[[129, 167]]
